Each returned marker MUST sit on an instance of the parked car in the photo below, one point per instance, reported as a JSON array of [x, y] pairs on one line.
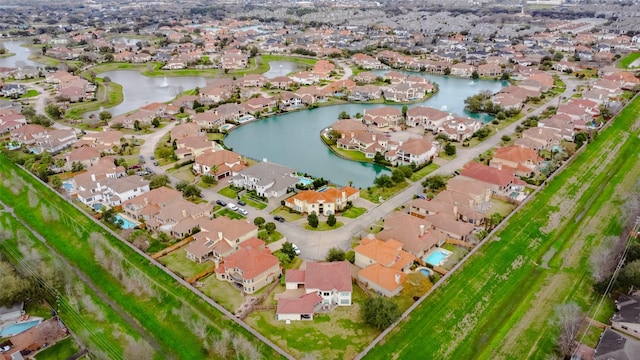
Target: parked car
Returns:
[[243, 211], [242, 203], [232, 206], [420, 196], [155, 163], [296, 249], [221, 203], [153, 157], [141, 158], [278, 218], [5, 348]]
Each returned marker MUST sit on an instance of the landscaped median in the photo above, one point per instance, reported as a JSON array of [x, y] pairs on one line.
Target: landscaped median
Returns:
[[499, 303], [185, 325]]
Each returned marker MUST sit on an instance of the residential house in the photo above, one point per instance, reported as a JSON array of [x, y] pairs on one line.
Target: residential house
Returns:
[[462, 70], [193, 146], [349, 128], [85, 156], [330, 280], [11, 121], [416, 235], [365, 78], [220, 164], [405, 92], [382, 117], [327, 202], [267, 179], [111, 191], [386, 253], [383, 280], [415, 151], [252, 80], [129, 121], [367, 62], [296, 309], [427, 117], [250, 269], [107, 141], [626, 319], [26, 135], [145, 206], [54, 141], [614, 345], [500, 180], [523, 161], [180, 219], [208, 120], [489, 70], [281, 82], [219, 238], [365, 93], [458, 128], [185, 130], [540, 138]]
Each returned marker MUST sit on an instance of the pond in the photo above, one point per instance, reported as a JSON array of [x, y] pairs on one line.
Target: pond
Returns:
[[21, 54], [280, 68]]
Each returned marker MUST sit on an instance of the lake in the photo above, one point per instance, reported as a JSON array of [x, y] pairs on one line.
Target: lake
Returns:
[[21, 54]]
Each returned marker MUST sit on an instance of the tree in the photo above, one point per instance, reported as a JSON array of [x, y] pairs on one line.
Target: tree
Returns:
[[155, 122], [312, 219], [181, 185], [56, 183], [191, 191], [136, 125], [435, 182], [335, 254], [158, 180], [54, 111], [344, 115], [629, 276], [475, 75], [14, 288], [580, 138], [383, 181], [76, 166], [505, 138], [287, 249], [208, 179], [568, 317], [397, 175], [331, 220], [259, 221], [505, 76], [105, 116], [270, 227], [449, 149], [380, 312]]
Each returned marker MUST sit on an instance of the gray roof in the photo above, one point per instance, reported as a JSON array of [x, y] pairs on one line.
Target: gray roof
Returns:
[[615, 346], [628, 309], [267, 170]]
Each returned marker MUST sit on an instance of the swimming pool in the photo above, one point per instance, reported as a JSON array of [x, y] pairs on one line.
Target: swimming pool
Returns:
[[437, 257], [305, 180], [426, 272], [67, 185], [15, 329], [125, 223]]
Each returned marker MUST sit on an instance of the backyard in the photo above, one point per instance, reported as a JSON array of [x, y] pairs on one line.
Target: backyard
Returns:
[[178, 262], [536, 261]]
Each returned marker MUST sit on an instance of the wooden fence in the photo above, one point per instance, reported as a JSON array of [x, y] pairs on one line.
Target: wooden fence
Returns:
[[172, 248]]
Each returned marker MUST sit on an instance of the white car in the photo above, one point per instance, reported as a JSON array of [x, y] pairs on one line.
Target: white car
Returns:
[[232, 206], [243, 211], [296, 249]]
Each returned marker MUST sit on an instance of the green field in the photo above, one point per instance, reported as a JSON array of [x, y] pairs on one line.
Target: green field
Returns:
[[184, 325], [628, 60], [61, 350], [498, 305]]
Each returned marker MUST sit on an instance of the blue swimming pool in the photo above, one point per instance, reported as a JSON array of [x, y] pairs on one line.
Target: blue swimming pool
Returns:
[[124, 223], [425, 272], [15, 329], [97, 206], [67, 186], [437, 257], [305, 180]]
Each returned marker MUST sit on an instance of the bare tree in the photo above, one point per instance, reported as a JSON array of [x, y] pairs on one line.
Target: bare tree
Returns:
[[568, 318], [603, 259], [139, 350]]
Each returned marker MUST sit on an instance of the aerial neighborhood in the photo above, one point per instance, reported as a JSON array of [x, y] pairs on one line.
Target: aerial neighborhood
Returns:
[[294, 179]]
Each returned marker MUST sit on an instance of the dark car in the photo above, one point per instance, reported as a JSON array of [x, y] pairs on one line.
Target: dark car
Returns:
[[278, 218], [221, 203], [241, 203]]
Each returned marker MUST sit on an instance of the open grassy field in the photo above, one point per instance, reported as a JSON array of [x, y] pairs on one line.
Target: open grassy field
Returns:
[[183, 324], [498, 305], [64, 349], [628, 60]]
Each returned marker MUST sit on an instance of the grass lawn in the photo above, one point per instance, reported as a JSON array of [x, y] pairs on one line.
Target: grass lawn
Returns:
[[253, 203], [228, 192], [298, 60], [184, 173], [354, 212], [63, 349], [354, 155], [499, 304], [222, 292], [418, 175], [284, 212], [165, 316], [628, 60], [374, 193], [178, 262], [230, 214], [501, 207], [322, 226], [30, 93], [215, 136], [269, 238], [339, 334]]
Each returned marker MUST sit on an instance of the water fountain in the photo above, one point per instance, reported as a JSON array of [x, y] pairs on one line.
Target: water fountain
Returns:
[[164, 83]]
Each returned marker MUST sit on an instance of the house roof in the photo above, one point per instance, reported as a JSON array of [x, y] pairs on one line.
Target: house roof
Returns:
[[466, 186], [302, 305], [294, 276], [252, 262], [488, 174], [159, 196], [387, 253], [614, 345], [416, 146], [628, 309], [348, 125], [449, 224], [517, 154], [328, 276], [386, 278], [218, 158], [427, 112], [433, 206], [330, 195], [406, 229]]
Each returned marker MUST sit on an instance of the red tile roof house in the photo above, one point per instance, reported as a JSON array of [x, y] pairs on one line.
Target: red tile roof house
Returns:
[[331, 281], [539, 138], [168, 218], [416, 235], [415, 151], [383, 116], [459, 129], [500, 180], [193, 146], [260, 104], [427, 117], [297, 309], [250, 269], [145, 206], [221, 163], [524, 161], [349, 128], [86, 156], [11, 121], [219, 238], [324, 203], [185, 130], [384, 265], [208, 120]]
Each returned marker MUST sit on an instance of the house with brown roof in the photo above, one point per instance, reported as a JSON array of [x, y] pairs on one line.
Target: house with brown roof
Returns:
[[208, 120], [539, 138], [415, 151], [147, 205], [185, 130], [416, 235], [193, 146], [500, 180], [427, 117], [85, 156], [522, 160], [326, 203], [300, 308], [367, 62], [26, 135], [168, 218], [458, 128], [252, 80], [462, 70], [330, 280], [219, 238], [55, 140], [250, 269], [405, 92], [349, 128], [222, 163], [383, 280], [489, 70], [128, 121], [386, 253], [111, 191], [383, 116]]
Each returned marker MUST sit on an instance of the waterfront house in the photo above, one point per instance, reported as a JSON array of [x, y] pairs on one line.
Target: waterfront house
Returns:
[[208, 120], [458, 128], [382, 117], [426, 117], [349, 128], [193, 146], [415, 151], [327, 202], [267, 179], [220, 164], [185, 130]]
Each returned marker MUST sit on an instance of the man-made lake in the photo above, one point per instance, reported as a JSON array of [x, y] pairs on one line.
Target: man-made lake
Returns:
[[21, 55], [280, 68], [293, 139], [140, 90]]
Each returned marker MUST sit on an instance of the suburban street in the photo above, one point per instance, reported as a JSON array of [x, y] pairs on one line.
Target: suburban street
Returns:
[[314, 245]]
